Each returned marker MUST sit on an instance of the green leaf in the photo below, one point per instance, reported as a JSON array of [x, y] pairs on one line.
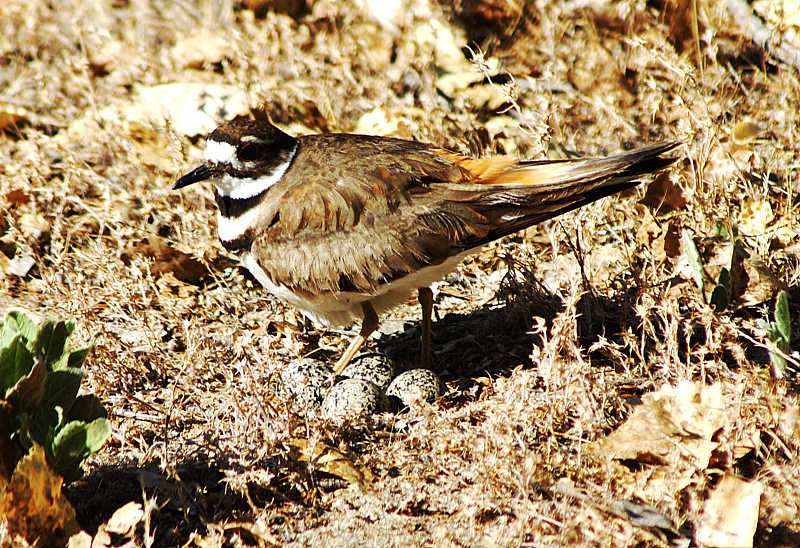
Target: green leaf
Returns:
[[783, 320], [52, 341], [97, 432], [778, 365], [75, 442], [17, 323], [724, 279], [70, 449], [30, 389], [694, 262], [62, 388], [721, 230], [720, 298], [86, 408], [77, 356], [40, 377], [16, 362]]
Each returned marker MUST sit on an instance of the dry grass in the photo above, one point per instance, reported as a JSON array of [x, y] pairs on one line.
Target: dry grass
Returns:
[[539, 364]]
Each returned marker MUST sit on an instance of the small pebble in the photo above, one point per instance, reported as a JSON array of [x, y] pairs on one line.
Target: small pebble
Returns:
[[307, 380], [415, 385], [374, 367], [351, 398]]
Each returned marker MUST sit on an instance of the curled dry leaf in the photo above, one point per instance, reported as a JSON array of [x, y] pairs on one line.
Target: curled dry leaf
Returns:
[[32, 504], [756, 216], [663, 194], [501, 16], [650, 236], [730, 514], [746, 131], [328, 459], [17, 196], [166, 259], [125, 519], [679, 419]]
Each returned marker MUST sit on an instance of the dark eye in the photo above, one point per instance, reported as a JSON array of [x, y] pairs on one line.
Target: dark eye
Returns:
[[247, 152]]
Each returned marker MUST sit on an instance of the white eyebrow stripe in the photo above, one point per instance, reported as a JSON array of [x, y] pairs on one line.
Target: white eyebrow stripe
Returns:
[[219, 152], [240, 188]]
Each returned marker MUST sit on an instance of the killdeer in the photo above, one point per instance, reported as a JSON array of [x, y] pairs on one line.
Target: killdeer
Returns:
[[344, 226]]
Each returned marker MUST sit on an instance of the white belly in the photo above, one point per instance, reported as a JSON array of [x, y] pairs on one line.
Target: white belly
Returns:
[[337, 309]]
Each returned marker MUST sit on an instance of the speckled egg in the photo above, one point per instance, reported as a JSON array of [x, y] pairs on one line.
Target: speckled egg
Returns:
[[352, 398], [307, 380], [373, 367], [415, 385]]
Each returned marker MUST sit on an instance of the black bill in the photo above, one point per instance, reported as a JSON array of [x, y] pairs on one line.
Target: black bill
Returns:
[[195, 176]]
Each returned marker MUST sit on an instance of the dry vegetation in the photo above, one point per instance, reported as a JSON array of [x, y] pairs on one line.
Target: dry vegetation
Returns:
[[548, 341]]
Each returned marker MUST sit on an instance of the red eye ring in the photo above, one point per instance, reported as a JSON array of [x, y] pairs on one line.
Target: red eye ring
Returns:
[[247, 152]]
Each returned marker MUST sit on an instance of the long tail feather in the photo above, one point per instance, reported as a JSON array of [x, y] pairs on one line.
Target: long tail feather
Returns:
[[530, 192], [558, 174]]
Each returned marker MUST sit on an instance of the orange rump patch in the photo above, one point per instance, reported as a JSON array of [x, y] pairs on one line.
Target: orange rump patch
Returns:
[[484, 169]]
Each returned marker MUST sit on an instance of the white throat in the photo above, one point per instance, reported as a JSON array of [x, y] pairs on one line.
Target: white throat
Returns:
[[240, 188]]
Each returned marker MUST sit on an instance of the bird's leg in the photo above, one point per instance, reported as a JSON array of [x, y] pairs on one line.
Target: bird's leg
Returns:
[[369, 323], [426, 301]]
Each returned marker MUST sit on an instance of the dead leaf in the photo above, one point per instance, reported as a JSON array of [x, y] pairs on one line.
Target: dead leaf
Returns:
[[730, 514], [190, 108], [328, 459], [292, 8], [501, 16], [680, 17], [678, 419], [11, 116], [17, 196], [755, 216], [376, 122], [166, 259], [34, 227], [202, 49], [663, 194], [19, 266], [82, 539], [32, 504], [752, 280], [125, 519], [746, 131]]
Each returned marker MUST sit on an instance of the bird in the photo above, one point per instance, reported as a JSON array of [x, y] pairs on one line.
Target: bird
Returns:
[[344, 226]]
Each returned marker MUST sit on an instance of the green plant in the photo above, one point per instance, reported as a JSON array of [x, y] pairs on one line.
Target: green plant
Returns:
[[779, 332], [729, 280], [39, 380]]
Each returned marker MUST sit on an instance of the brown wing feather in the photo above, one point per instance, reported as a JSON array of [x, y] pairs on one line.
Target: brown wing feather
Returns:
[[385, 207]]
